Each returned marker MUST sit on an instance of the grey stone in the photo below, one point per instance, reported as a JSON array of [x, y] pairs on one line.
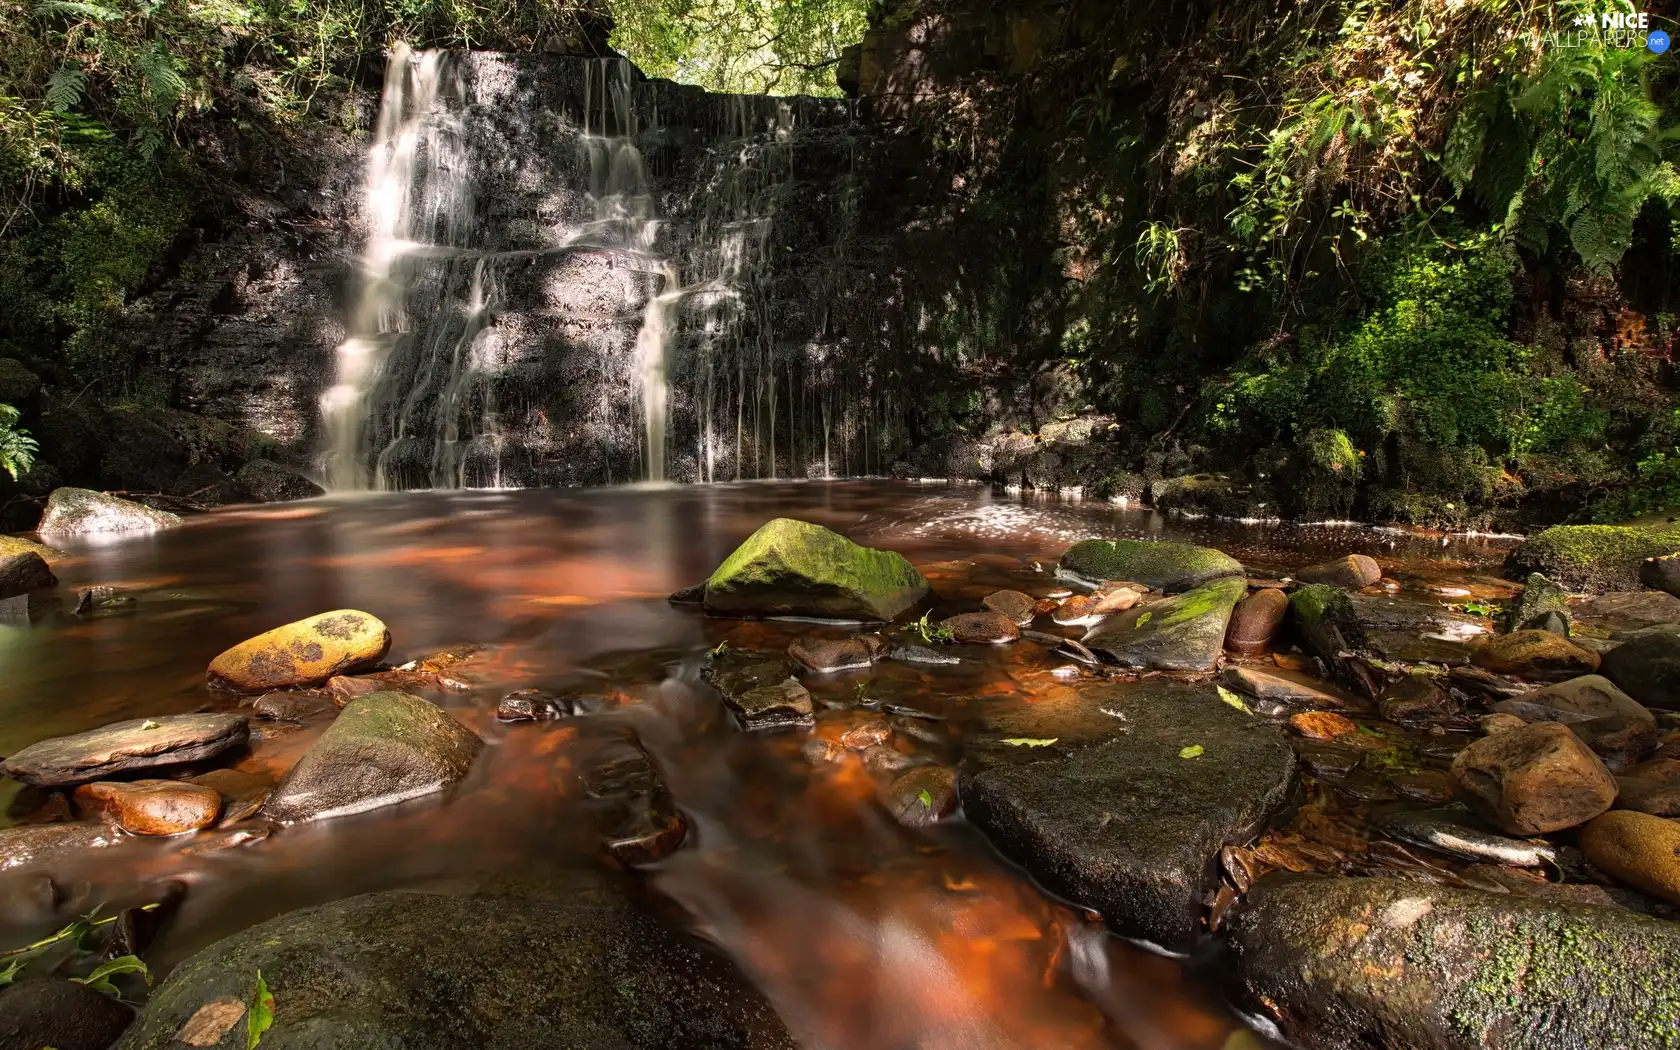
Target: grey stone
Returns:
[[78, 512], [1169, 567], [40, 845], [22, 573], [123, 747], [1182, 633], [269, 482], [1539, 600]]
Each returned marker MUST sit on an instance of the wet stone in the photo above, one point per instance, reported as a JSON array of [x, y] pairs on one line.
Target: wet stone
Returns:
[[1169, 567], [1321, 725], [1651, 787], [1630, 610], [299, 705], [1423, 786], [1647, 667], [124, 747], [1535, 655], [1330, 761], [1351, 573], [1414, 700], [80, 512], [1093, 608], [1290, 688], [985, 628], [1183, 633], [1256, 621], [60, 1014], [824, 655], [760, 689], [1621, 740], [1533, 780], [866, 736], [921, 654], [43, 845], [151, 807], [306, 653], [882, 760], [922, 797], [1661, 574], [1638, 849], [796, 568], [1454, 831], [639, 822], [22, 573], [243, 794], [1020, 608], [537, 705], [822, 751], [1538, 606], [1500, 722]]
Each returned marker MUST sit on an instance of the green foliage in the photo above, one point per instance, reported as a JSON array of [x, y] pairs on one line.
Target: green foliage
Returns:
[[17, 448], [931, 633], [782, 47], [77, 946], [259, 1015]]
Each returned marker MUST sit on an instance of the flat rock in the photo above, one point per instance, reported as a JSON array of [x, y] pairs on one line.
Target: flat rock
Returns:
[[1590, 697], [1629, 610], [921, 654], [795, 568], [825, 655], [151, 807], [1182, 633], [79, 512], [1409, 629], [540, 705], [1112, 814], [1621, 740], [1321, 725], [1533, 780], [298, 705], [309, 652], [1285, 687], [1256, 621], [25, 572], [124, 747], [1169, 567], [922, 797], [1641, 850], [1413, 700], [638, 820], [1537, 655], [60, 1014], [1351, 573], [1651, 787], [1392, 964], [982, 628], [1647, 667], [42, 845], [427, 971], [1019, 607], [383, 748]]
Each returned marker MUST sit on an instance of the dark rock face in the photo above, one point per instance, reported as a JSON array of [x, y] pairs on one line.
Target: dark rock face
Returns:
[[77, 512], [269, 482], [1118, 814], [1539, 602], [22, 573], [1390, 964], [140, 455], [424, 971], [1182, 633], [1662, 574], [139, 743], [760, 689], [383, 749], [60, 1013], [1647, 667]]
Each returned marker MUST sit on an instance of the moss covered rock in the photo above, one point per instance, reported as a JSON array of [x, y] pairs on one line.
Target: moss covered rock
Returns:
[[1540, 603], [795, 568], [1395, 964], [1183, 633], [306, 653], [11, 546], [77, 512], [1170, 567], [385, 748], [1592, 557]]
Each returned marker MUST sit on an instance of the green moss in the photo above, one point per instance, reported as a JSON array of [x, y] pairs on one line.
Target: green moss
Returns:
[[1168, 566], [792, 567], [1592, 557], [1203, 601]]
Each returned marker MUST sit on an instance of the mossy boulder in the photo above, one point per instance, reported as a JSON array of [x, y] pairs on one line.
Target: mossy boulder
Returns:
[[78, 512], [1182, 633], [1592, 557], [1541, 603], [1169, 567], [1399, 965], [433, 971], [11, 546], [795, 568], [306, 653], [1324, 471], [383, 749], [1217, 494]]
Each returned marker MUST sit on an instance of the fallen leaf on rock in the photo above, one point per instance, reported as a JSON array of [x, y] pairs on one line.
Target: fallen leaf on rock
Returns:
[[261, 1017], [1193, 751], [1321, 725], [212, 1021], [1027, 741], [1234, 700]]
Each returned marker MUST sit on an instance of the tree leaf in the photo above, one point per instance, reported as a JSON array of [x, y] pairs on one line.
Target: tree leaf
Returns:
[[9, 974], [1234, 700], [261, 1016], [100, 979], [1193, 751], [1027, 741], [925, 798], [1141, 620]]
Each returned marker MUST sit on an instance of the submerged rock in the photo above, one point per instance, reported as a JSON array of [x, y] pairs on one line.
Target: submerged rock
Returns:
[[1592, 557], [1019, 607], [1292, 688], [1256, 620], [1413, 700], [795, 568], [537, 705], [760, 689], [309, 652], [383, 749], [1183, 633], [78, 512], [41, 845], [982, 628], [151, 807], [922, 797], [427, 971], [1535, 655], [1533, 780], [123, 747], [1391, 964], [921, 654], [1351, 573], [1169, 567], [24, 572], [60, 1014], [1647, 666], [639, 822], [825, 655], [269, 482], [1454, 831], [1127, 807], [1643, 851]]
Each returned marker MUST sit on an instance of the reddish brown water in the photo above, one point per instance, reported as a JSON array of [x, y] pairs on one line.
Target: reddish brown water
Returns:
[[863, 934]]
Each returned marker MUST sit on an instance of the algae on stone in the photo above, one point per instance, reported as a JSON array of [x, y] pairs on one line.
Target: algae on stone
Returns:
[[1182, 633], [1170, 567], [795, 568], [1592, 557]]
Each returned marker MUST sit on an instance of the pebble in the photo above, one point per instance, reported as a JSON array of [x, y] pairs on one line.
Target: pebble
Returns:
[[151, 807], [1321, 725]]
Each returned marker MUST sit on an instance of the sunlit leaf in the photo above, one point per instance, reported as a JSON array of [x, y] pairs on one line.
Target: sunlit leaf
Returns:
[[1193, 751], [100, 979], [261, 1015], [1027, 741], [1234, 700]]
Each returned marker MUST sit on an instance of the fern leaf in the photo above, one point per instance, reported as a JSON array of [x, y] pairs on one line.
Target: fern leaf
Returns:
[[163, 82], [65, 88], [75, 9]]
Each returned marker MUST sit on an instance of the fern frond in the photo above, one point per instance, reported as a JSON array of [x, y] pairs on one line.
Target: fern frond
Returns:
[[163, 82], [17, 448], [65, 88], [75, 9]]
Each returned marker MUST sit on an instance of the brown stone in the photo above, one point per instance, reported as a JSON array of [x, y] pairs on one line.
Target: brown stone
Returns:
[[43, 845], [1412, 700], [1291, 687], [1536, 655], [294, 705], [1533, 780], [1425, 785], [823, 655], [1592, 696], [1652, 787], [821, 751], [1500, 723], [1321, 725], [922, 797], [866, 736], [1021, 608], [1352, 572], [1638, 849], [1110, 598], [242, 793], [22, 573], [151, 807], [309, 652], [982, 628], [882, 760], [1621, 740], [1255, 621], [139, 743]]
